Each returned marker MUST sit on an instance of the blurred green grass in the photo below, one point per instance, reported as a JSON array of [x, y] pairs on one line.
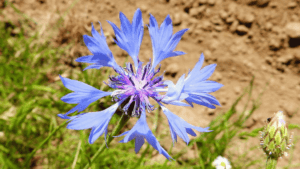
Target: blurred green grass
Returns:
[[31, 134]]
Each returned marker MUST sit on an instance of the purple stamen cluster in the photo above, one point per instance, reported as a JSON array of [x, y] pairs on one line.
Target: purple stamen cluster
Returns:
[[137, 86]]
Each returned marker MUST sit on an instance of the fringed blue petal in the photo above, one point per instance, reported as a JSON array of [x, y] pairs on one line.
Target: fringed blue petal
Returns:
[[198, 87], [203, 87], [195, 88], [203, 99], [98, 121], [98, 131], [198, 75], [86, 59], [174, 95], [129, 37], [83, 94], [163, 43], [102, 55], [180, 127], [141, 131], [196, 68]]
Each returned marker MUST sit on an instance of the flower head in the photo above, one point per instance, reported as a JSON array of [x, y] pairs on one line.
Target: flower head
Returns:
[[274, 138], [134, 85], [221, 163]]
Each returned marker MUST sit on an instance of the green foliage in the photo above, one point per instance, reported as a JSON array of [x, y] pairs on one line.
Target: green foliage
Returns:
[[253, 133], [293, 126]]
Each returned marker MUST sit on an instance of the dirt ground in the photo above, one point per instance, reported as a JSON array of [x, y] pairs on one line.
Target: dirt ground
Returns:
[[245, 38]]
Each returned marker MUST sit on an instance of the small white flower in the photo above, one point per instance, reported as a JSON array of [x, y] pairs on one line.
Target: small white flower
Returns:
[[221, 163]]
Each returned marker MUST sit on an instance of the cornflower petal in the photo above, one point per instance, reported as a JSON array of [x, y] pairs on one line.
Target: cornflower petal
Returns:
[[205, 87], [83, 94], [174, 94], [129, 37], [140, 131], [102, 55], [203, 99], [180, 127], [163, 43], [198, 74], [98, 121], [198, 87], [195, 88]]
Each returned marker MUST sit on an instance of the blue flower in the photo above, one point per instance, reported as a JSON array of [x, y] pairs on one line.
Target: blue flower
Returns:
[[134, 85]]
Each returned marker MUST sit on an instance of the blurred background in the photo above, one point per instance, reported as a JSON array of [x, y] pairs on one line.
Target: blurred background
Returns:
[[255, 43]]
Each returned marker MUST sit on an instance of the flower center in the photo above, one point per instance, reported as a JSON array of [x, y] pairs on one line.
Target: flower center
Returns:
[[137, 87], [138, 83]]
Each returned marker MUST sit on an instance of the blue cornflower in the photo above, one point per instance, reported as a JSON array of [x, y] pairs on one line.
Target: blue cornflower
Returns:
[[136, 84]]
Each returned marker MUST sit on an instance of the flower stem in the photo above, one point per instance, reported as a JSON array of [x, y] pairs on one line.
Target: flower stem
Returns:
[[116, 130], [271, 163], [28, 160]]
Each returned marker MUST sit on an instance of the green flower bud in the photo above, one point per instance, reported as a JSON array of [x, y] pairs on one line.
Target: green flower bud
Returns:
[[274, 138]]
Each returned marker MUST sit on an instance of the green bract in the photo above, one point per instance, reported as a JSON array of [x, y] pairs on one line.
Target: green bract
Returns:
[[274, 138]]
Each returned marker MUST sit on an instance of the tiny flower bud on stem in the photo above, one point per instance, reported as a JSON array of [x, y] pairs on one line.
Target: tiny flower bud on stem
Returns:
[[274, 139]]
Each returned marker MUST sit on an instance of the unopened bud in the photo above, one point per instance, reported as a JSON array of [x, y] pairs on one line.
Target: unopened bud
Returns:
[[274, 138]]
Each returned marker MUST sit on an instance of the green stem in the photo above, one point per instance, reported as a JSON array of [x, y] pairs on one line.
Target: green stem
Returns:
[[42, 143], [116, 130], [271, 163], [138, 164]]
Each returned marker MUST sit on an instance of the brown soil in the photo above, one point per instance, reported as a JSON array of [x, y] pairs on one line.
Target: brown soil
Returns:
[[245, 38]]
